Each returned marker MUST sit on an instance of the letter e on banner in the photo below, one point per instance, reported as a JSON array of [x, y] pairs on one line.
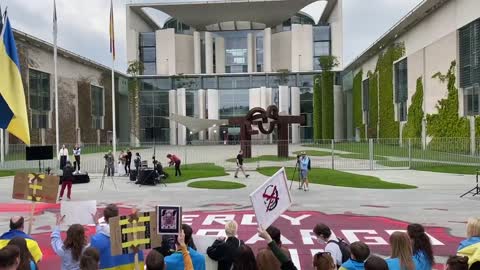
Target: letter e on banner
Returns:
[[271, 199]]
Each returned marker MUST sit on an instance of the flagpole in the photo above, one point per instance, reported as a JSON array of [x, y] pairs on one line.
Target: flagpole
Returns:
[[114, 141], [2, 149], [57, 132]]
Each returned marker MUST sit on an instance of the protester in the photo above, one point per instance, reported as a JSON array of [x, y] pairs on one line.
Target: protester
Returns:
[[9, 258], [245, 259], [457, 263], [470, 247], [16, 230], [285, 261], [110, 163], [154, 261], [359, 253], [324, 261], [421, 247], [240, 165], [72, 247], [266, 259], [63, 156], [224, 251], [76, 154], [26, 259], [304, 168], [101, 241], [128, 161], [324, 234], [174, 160], [185, 258], [375, 263], [90, 259], [402, 256], [67, 181]]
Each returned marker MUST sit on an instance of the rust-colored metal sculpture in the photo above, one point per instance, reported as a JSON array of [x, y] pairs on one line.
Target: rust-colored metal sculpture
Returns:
[[258, 117]]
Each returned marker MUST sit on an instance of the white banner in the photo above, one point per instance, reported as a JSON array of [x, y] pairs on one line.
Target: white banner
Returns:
[[271, 199], [78, 212]]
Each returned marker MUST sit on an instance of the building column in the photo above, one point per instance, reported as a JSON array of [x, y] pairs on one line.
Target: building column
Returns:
[[267, 50], [267, 100], [197, 55], [283, 99], [338, 113], [208, 53], [219, 55], [172, 109], [250, 52], [295, 111], [181, 110], [255, 97], [306, 63], [201, 111], [212, 99]]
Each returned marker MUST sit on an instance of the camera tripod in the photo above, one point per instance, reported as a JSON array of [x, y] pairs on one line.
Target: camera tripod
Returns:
[[300, 184], [102, 183], [474, 191]]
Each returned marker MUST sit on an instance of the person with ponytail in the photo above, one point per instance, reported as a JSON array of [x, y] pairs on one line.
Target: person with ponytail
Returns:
[[402, 255], [421, 247]]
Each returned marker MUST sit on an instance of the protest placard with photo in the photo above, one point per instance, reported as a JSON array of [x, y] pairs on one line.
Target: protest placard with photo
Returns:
[[271, 199], [169, 219]]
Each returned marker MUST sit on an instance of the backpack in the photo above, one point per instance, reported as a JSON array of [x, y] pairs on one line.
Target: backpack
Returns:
[[344, 248]]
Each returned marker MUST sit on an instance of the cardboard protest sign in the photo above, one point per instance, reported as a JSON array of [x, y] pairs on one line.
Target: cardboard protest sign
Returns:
[[271, 199], [78, 212], [202, 242], [137, 231], [35, 187]]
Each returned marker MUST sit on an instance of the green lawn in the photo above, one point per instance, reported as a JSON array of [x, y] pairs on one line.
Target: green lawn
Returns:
[[195, 171], [262, 158], [433, 167], [338, 178], [7, 173], [215, 184], [314, 153]]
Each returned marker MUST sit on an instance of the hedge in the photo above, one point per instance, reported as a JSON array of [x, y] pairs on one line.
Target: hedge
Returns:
[[413, 127], [317, 108], [373, 104], [327, 105], [357, 104]]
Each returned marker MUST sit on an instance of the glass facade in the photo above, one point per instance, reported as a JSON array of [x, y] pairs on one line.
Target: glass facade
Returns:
[[148, 53], [401, 88], [469, 66], [98, 106], [39, 95], [321, 44], [306, 105], [154, 107], [259, 51]]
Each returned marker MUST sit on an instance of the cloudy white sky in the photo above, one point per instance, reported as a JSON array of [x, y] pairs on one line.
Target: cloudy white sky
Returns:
[[83, 24]]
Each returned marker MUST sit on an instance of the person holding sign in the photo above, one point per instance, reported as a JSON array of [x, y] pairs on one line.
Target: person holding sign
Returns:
[[177, 260], [283, 259], [72, 247], [16, 230]]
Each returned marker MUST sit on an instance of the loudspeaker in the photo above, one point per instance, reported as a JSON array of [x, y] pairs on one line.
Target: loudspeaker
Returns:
[[39, 152]]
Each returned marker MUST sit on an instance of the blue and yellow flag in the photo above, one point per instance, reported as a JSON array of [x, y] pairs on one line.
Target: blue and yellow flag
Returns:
[[13, 108]]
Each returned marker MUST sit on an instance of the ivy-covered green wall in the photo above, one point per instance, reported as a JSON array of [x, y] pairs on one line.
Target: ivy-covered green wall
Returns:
[[413, 127], [388, 127], [317, 108], [373, 104], [327, 105], [357, 104]]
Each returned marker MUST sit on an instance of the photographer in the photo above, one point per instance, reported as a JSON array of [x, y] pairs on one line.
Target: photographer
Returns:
[[304, 163], [110, 163], [174, 160]]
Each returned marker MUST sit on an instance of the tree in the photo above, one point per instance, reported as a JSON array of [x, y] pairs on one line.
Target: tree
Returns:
[[135, 68], [327, 63]]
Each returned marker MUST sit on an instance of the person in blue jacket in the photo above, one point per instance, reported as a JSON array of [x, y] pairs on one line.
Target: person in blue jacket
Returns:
[[402, 256], [101, 241], [421, 247], [176, 261], [359, 252]]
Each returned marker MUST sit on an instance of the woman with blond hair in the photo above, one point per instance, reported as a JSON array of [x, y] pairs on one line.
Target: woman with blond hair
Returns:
[[402, 255], [470, 247], [225, 250]]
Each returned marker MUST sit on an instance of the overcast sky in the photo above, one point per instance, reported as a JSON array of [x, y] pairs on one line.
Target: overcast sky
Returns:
[[83, 24]]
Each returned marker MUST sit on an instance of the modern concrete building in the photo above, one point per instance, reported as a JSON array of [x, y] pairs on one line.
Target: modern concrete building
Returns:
[[84, 96], [433, 34], [218, 59]]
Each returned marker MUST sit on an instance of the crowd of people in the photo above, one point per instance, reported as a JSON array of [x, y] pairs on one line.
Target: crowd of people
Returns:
[[411, 250]]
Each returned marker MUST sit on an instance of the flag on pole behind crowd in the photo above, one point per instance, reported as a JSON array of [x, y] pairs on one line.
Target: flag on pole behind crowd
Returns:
[[271, 199], [112, 31], [13, 108]]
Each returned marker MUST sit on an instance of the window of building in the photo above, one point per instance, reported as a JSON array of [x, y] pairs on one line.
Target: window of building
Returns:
[[233, 103], [366, 99], [306, 109], [39, 95], [401, 89], [469, 66], [148, 54], [180, 28], [98, 101], [321, 44], [259, 52]]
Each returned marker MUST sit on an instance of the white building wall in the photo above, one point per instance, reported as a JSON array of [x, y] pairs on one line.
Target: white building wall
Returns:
[[295, 96], [135, 24], [165, 42], [181, 110], [197, 53], [281, 51], [267, 50], [250, 52], [255, 97], [132, 45], [336, 25], [338, 113], [284, 100], [219, 55], [212, 100], [201, 111], [172, 109], [208, 53], [184, 54], [415, 70], [302, 47]]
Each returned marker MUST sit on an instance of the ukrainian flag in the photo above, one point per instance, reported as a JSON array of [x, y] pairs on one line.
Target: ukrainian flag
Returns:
[[13, 108], [470, 248]]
